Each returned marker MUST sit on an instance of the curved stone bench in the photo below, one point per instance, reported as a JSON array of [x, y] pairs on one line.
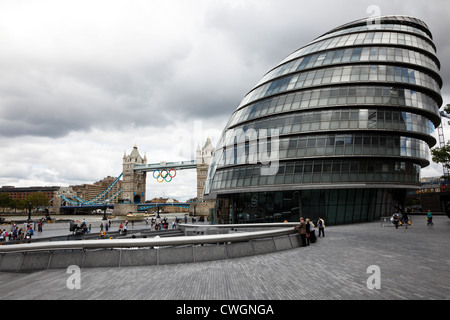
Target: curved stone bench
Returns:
[[149, 251]]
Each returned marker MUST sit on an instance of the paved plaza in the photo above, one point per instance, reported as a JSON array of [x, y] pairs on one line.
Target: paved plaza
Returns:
[[414, 263]]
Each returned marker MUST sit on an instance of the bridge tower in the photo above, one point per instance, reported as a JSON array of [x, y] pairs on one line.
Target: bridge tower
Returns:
[[133, 182], [204, 156]]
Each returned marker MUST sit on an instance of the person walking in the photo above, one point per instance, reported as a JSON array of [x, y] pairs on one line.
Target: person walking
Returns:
[[302, 231], [321, 226], [308, 228], [312, 232], [429, 218], [396, 220], [405, 219]]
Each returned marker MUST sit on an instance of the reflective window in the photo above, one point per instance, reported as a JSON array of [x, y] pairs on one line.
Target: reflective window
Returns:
[[334, 205], [380, 27], [379, 54], [336, 96], [342, 75], [329, 120], [321, 171], [297, 147], [370, 37]]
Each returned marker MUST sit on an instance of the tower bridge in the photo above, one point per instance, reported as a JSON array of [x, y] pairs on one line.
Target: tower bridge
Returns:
[[130, 197]]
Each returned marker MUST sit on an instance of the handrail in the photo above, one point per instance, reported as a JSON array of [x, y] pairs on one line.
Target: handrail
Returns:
[[241, 225], [146, 242]]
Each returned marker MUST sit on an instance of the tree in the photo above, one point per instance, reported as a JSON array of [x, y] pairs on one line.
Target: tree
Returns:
[[37, 200], [5, 200], [18, 204], [442, 154]]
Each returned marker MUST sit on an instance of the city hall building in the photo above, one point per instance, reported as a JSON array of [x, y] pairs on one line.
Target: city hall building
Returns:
[[339, 129]]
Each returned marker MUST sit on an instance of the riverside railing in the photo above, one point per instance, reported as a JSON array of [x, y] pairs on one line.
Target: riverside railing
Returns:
[[150, 251], [146, 242]]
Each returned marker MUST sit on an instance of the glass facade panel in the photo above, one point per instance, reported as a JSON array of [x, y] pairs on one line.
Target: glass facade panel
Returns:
[[334, 206], [365, 95], [358, 74]]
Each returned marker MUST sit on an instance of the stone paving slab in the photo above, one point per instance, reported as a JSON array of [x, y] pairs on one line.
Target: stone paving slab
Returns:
[[414, 264]]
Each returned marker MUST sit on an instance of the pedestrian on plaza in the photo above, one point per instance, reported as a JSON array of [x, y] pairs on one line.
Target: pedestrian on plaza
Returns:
[[302, 231], [106, 227], [88, 229], [101, 226], [396, 220], [405, 219], [120, 227], [308, 231], [312, 232], [125, 228], [321, 225], [429, 218]]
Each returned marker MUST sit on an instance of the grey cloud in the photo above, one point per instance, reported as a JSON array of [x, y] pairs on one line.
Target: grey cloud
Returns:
[[128, 70]]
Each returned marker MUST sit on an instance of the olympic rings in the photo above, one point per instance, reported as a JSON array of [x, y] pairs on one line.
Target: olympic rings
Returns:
[[164, 174]]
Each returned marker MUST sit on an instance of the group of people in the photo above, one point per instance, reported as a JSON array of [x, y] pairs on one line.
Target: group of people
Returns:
[[155, 224], [307, 232], [399, 219], [17, 233], [161, 224]]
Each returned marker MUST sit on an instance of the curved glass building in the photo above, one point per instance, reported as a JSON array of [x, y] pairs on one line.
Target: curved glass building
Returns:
[[339, 129]]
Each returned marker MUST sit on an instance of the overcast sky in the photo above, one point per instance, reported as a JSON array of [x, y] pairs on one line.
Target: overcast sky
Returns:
[[82, 82]]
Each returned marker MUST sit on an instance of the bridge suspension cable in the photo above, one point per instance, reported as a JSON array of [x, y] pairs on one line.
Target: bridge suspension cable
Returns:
[[98, 198]]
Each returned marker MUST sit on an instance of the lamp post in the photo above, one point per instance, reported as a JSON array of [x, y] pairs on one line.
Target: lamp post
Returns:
[[104, 212], [29, 212]]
